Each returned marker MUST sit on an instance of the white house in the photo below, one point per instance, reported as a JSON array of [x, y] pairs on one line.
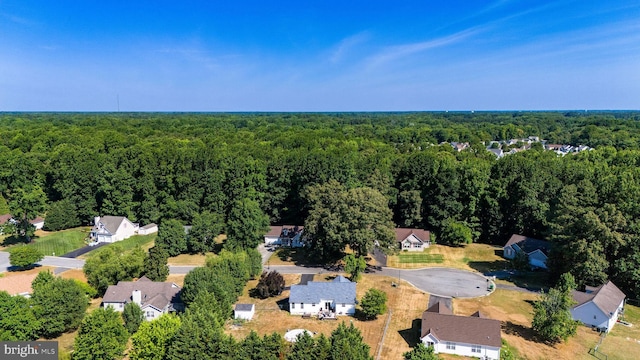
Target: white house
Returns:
[[285, 235], [473, 336], [536, 250], [413, 239], [337, 297], [154, 298], [148, 229], [38, 223], [110, 229], [244, 311], [598, 307]]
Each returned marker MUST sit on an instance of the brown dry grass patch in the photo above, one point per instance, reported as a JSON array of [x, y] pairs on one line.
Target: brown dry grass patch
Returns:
[[177, 279], [188, 259], [77, 274]]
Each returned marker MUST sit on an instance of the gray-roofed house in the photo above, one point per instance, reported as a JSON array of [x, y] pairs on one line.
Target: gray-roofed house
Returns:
[[244, 311], [327, 299], [154, 298], [413, 239], [536, 250], [110, 229], [285, 235], [598, 307], [474, 336]]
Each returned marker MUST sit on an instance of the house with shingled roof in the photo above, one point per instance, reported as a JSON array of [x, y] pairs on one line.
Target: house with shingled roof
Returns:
[[110, 229], [154, 298], [285, 235], [336, 297], [598, 307], [537, 250], [473, 336], [413, 239]]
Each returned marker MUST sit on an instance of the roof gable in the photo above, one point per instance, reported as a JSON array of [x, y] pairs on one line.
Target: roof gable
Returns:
[[403, 233], [606, 297], [528, 244], [157, 294]]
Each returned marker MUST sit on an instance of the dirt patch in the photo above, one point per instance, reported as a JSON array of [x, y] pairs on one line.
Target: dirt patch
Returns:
[[187, 259], [74, 274], [177, 279]]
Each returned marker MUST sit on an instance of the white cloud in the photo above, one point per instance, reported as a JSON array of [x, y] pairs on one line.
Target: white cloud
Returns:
[[346, 44]]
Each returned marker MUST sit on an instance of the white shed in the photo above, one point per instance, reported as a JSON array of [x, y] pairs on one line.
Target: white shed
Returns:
[[148, 229], [244, 311]]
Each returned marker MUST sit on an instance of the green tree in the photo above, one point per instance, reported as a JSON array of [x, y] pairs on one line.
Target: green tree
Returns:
[[111, 264], [421, 352], [455, 233], [24, 257], [17, 320], [60, 305], [347, 344], [304, 348], [61, 215], [43, 277], [255, 262], [155, 264], [373, 303], [410, 208], [205, 229], [246, 225], [520, 261], [552, 319], [354, 266], [101, 336], [133, 316], [25, 205], [171, 236], [151, 340]]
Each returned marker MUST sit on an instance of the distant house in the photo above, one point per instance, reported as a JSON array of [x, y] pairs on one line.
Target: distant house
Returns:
[[599, 306], [110, 229], [413, 239], [337, 297], [148, 229], [537, 250], [38, 223], [497, 152], [285, 235], [244, 311], [474, 336], [154, 298]]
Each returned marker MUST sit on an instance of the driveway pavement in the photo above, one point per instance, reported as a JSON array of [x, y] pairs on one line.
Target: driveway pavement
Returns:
[[444, 281]]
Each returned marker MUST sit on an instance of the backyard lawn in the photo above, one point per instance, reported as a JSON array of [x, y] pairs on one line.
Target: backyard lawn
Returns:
[[478, 257], [420, 258], [144, 241], [59, 242]]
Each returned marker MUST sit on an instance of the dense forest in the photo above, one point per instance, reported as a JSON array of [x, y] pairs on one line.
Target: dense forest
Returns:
[[156, 167]]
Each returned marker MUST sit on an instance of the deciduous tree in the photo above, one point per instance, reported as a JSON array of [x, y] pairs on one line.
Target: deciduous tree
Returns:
[[151, 340], [24, 256], [101, 336], [373, 303], [552, 319]]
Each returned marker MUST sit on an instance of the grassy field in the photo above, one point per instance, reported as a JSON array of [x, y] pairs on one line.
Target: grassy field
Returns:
[[623, 342], [59, 242], [420, 258], [478, 257], [144, 241]]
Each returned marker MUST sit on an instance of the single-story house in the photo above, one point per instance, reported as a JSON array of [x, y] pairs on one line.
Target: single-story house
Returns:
[[244, 311], [599, 306], [537, 250], [474, 336], [337, 297], [285, 235], [38, 222], [154, 298], [148, 229], [413, 239], [110, 229]]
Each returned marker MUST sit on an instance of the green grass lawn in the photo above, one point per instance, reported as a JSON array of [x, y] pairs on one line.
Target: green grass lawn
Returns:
[[420, 258], [60, 242], [144, 241]]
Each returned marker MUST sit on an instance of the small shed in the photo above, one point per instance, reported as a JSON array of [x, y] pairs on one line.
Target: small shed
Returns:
[[244, 311], [148, 229]]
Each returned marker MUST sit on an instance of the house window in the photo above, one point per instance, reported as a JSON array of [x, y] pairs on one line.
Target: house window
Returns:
[[343, 305], [121, 305], [476, 349], [149, 313], [451, 346], [406, 245], [430, 343], [293, 305], [313, 305], [302, 305]]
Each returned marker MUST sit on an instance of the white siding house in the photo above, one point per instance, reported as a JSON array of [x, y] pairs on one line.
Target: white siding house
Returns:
[[474, 336], [244, 311], [413, 239], [598, 307], [337, 297], [285, 235], [110, 229], [148, 229], [537, 250]]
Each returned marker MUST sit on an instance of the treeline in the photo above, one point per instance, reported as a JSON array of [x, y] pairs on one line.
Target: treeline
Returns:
[[230, 167]]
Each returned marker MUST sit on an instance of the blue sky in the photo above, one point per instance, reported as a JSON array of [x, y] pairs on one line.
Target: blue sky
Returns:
[[320, 55]]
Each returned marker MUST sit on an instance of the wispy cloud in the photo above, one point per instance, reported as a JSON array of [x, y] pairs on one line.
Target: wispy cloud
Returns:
[[393, 53], [18, 19], [347, 44]]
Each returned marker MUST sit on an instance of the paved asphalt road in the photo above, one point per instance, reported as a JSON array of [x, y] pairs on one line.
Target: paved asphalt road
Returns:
[[437, 281]]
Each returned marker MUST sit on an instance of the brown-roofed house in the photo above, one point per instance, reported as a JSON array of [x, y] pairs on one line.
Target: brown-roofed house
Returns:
[[413, 239], [154, 298], [536, 250], [285, 235], [474, 336], [599, 306]]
